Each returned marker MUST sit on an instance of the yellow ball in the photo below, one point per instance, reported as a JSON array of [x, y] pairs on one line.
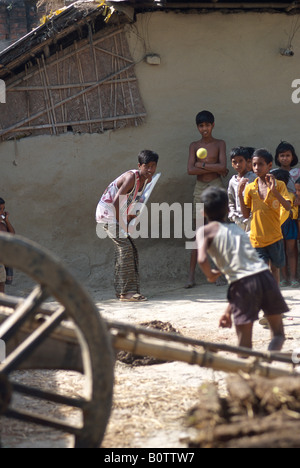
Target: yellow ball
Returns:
[[201, 153]]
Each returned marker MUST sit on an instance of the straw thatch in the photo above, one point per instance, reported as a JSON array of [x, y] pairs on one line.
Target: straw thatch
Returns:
[[74, 73]]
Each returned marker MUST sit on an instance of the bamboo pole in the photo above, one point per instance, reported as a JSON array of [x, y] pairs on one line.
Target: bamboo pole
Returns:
[[127, 328], [81, 122], [81, 79], [48, 92], [46, 97], [58, 104], [64, 57], [207, 359], [71, 85]]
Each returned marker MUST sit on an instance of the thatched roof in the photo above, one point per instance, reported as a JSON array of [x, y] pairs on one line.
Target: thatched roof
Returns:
[[229, 5], [75, 22], [80, 18]]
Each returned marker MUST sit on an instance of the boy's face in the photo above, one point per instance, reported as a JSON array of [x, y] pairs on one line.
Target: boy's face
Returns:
[[239, 164], [206, 128], [260, 167], [148, 170], [297, 187], [2, 209]]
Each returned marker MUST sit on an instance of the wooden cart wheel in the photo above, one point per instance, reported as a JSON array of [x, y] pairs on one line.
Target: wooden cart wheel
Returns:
[[71, 336]]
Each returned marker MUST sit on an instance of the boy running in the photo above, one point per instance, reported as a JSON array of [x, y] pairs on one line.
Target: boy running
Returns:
[[252, 287]]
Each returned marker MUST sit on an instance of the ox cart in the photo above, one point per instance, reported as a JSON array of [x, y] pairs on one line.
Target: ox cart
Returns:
[[57, 326]]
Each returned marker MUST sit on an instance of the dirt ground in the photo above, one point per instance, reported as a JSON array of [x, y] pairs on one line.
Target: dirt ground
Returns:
[[151, 402]]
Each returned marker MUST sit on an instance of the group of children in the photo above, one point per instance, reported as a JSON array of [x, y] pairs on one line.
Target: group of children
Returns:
[[251, 229], [250, 234], [273, 232]]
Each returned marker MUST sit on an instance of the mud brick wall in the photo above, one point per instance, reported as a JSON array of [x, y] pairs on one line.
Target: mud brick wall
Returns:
[[17, 18]]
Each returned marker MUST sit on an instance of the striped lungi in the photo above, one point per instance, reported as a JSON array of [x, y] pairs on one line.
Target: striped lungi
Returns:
[[126, 274]]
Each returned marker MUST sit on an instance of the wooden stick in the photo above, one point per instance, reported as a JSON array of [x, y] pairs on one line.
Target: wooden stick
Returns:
[[47, 104], [114, 54], [141, 347], [81, 79], [62, 86], [58, 104], [46, 80], [62, 58], [81, 122]]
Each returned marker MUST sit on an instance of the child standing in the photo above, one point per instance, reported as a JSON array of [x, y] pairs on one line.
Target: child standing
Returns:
[[286, 158], [263, 198], [289, 230], [113, 214], [209, 171], [252, 287], [6, 273], [239, 159], [297, 202]]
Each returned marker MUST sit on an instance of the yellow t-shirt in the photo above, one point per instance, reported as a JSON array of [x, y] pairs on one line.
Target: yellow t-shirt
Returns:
[[266, 214]]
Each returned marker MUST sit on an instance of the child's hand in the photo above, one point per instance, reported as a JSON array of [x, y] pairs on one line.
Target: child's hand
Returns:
[[242, 185], [215, 274], [225, 321], [297, 202], [271, 181]]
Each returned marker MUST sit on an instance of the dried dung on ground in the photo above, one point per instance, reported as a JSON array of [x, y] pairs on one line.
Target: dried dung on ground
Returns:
[[133, 360], [257, 413]]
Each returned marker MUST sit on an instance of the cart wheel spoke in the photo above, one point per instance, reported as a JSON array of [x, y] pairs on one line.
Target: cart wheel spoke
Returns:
[[50, 396], [23, 311], [43, 421], [22, 352]]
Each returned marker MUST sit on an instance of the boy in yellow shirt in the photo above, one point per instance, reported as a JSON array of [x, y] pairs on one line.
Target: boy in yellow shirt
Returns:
[[264, 198]]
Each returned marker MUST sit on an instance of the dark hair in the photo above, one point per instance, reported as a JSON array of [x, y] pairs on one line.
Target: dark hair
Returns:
[[2, 202], [204, 116], [263, 153], [240, 151], [250, 150], [282, 148], [281, 174], [147, 156], [297, 181], [215, 203]]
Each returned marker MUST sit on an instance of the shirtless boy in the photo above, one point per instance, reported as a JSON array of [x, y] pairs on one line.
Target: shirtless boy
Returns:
[[209, 171]]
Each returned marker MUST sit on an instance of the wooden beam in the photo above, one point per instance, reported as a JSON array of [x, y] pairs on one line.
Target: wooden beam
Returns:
[[64, 101], [82, 122]]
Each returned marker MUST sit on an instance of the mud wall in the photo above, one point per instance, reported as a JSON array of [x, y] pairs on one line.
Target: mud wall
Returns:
[[228, 64]]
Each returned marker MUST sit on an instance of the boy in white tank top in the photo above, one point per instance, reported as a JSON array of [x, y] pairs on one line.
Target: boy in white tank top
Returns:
[[252, 287]]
